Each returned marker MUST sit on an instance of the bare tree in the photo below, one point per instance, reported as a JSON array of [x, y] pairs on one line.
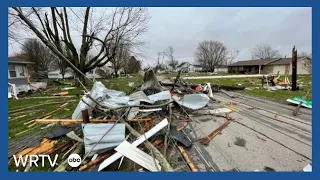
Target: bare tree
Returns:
[[34, 51], [307, 64], [134, 66], [172, 61], [121, 59], [16, 25], [265, 51], [54, 28], [304, 54], [160, 65], [233, 55], [211, 54]]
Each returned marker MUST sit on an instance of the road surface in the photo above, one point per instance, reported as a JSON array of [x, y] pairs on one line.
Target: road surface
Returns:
[[275, 140]]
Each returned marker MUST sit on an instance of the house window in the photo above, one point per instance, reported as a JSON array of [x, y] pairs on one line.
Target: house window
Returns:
[[12, 70]]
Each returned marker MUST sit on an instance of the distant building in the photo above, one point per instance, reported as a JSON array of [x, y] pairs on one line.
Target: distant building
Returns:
[[269, 66], [19, 74], [200, 68]]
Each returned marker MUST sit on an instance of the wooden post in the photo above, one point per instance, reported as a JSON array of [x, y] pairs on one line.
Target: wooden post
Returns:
[[294, 69], [85, 116], [259, 69]]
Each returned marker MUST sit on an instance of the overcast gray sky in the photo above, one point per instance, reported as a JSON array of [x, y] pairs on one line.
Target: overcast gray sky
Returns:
[[238, 28]]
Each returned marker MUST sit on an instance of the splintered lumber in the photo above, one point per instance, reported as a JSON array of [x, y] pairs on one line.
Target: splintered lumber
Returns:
[[95, 162], [49, 121], [188, 159], [206, 140]]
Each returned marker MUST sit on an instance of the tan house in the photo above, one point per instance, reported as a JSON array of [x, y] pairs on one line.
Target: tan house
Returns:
[[270, 66]]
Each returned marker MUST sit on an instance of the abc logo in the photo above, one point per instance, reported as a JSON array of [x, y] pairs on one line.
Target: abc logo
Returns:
[[74, 160]]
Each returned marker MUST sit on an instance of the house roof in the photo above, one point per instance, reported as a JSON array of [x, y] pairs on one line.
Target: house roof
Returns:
[[282, 61], [279, 61], [15, 60], [254, 62]]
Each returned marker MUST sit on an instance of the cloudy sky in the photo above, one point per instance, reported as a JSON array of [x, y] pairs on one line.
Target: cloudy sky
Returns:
[[238, 28]]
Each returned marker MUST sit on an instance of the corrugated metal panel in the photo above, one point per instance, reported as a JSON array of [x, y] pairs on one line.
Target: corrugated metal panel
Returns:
[[94, 132], [164, 95], [192, 101], [138, 156]]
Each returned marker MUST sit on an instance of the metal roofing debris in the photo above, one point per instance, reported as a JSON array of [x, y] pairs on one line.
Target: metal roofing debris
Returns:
[[138, 156], [192, 101], [137, 142], [96, 140], [164, 95]]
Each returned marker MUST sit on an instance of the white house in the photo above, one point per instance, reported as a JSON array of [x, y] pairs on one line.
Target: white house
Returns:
[[18, 75], [270, 66], [199, 68]]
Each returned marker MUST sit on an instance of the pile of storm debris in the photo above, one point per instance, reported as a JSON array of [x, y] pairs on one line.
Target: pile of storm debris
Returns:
[[149, 127]]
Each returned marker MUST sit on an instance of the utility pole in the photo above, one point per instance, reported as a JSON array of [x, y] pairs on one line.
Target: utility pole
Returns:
[[294, 69]]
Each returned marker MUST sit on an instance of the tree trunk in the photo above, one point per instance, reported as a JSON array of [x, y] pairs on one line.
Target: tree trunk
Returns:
[[81, 78], [116, 74]]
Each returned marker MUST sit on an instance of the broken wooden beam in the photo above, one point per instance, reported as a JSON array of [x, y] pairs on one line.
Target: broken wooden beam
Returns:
[[188, 159], [94, 162], [85, 116], [206, 140]]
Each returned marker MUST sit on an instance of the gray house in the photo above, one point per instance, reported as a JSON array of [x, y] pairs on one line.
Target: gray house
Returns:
[[18, 74]]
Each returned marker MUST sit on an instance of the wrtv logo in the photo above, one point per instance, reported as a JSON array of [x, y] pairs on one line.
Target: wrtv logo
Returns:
[[33, 160]]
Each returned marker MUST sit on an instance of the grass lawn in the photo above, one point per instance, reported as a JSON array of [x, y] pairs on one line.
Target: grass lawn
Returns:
[[255, 84], [17, 119]]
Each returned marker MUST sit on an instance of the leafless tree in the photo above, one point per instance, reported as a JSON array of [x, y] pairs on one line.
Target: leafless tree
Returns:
[[57, 26], [233, 55], [160, 65], [134, 66], [307, 64], [265, 51], [121, 59], [34, 51], [211, 54], [16, 25], [304, 54], [172, 61]]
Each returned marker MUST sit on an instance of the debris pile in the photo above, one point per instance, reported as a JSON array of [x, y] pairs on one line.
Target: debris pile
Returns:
[[146, 127]]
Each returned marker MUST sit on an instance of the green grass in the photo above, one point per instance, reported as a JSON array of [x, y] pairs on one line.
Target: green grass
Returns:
[[255, 85], [16, 120]]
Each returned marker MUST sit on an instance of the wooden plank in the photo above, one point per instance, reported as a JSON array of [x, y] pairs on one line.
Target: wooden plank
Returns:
[[188, 159]]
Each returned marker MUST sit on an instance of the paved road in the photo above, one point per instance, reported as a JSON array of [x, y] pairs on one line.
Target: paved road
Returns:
[[274, 138]]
